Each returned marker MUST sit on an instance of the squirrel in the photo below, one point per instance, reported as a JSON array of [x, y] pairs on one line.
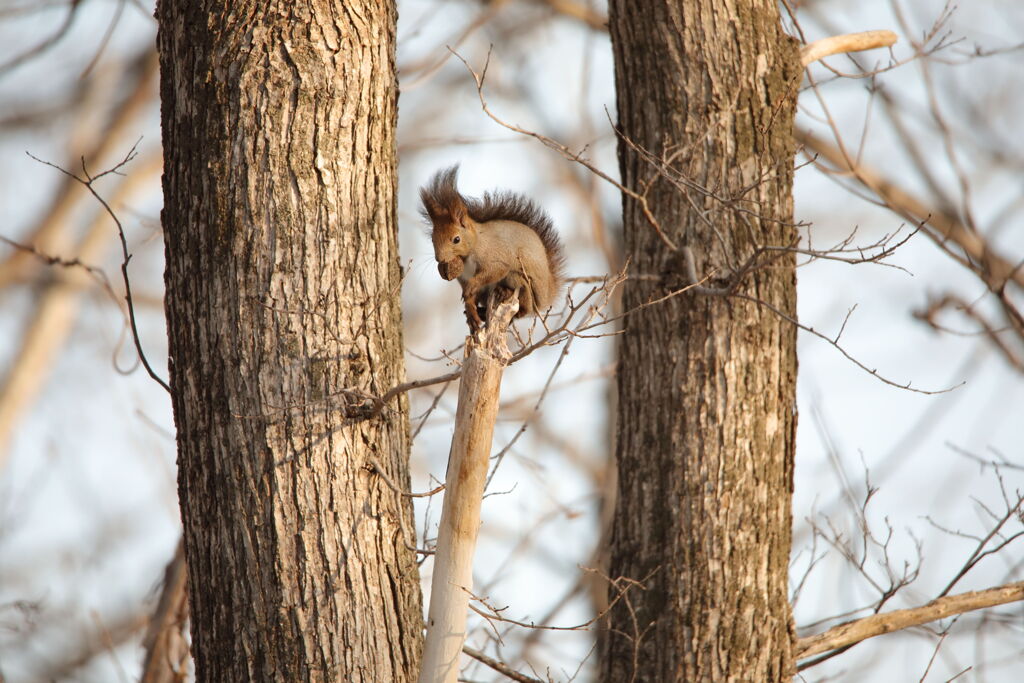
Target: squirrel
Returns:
[[503, 241]]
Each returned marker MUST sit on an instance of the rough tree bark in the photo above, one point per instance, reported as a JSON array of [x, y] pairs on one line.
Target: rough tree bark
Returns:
[[282, 290], [706, 408]]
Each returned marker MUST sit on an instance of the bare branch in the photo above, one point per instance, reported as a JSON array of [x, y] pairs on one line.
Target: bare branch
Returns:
[[851, 42], [500, 667], [46, 43], [622, 586], [980, 553], [988, 329], [48, 233], [855, 631]]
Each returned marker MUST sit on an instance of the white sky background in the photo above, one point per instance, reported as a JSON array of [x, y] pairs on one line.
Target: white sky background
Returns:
[[88, 513]]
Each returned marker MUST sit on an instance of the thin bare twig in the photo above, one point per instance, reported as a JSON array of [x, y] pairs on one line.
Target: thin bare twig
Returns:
[[834, 341], [87, 182], [95, 272], [622, 586], [377, 469]]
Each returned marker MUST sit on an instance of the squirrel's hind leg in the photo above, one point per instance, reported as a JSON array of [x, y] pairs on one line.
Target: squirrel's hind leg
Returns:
[[498, 294], [526, 301], [518, 285]]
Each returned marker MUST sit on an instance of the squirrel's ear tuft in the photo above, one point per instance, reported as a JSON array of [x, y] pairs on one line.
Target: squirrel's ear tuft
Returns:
[[441, 198], [430, 209]]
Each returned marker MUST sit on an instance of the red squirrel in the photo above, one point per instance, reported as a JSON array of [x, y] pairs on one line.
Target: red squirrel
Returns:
[[501, 241]]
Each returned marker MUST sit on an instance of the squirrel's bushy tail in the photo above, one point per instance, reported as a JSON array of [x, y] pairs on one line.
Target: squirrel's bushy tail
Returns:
[[511, 206]]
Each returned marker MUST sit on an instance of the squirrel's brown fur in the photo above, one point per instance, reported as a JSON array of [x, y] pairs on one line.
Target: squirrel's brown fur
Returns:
[[502, 240]]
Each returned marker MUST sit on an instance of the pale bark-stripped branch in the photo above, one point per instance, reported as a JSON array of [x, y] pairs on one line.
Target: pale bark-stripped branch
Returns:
[[452, 583], [850, 42], [853, 632]]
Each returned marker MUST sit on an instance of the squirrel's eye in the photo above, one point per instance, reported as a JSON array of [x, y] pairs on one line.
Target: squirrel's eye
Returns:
[[456, 239]]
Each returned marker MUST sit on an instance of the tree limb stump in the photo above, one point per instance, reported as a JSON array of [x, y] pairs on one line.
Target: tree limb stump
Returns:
[[452, 583]]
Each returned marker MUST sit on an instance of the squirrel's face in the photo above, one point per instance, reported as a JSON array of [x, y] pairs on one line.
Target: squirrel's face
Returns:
[[453, 241]]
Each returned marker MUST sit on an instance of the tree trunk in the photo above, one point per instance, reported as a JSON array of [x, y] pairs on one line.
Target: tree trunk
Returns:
[[707, 409], [282, 291]]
